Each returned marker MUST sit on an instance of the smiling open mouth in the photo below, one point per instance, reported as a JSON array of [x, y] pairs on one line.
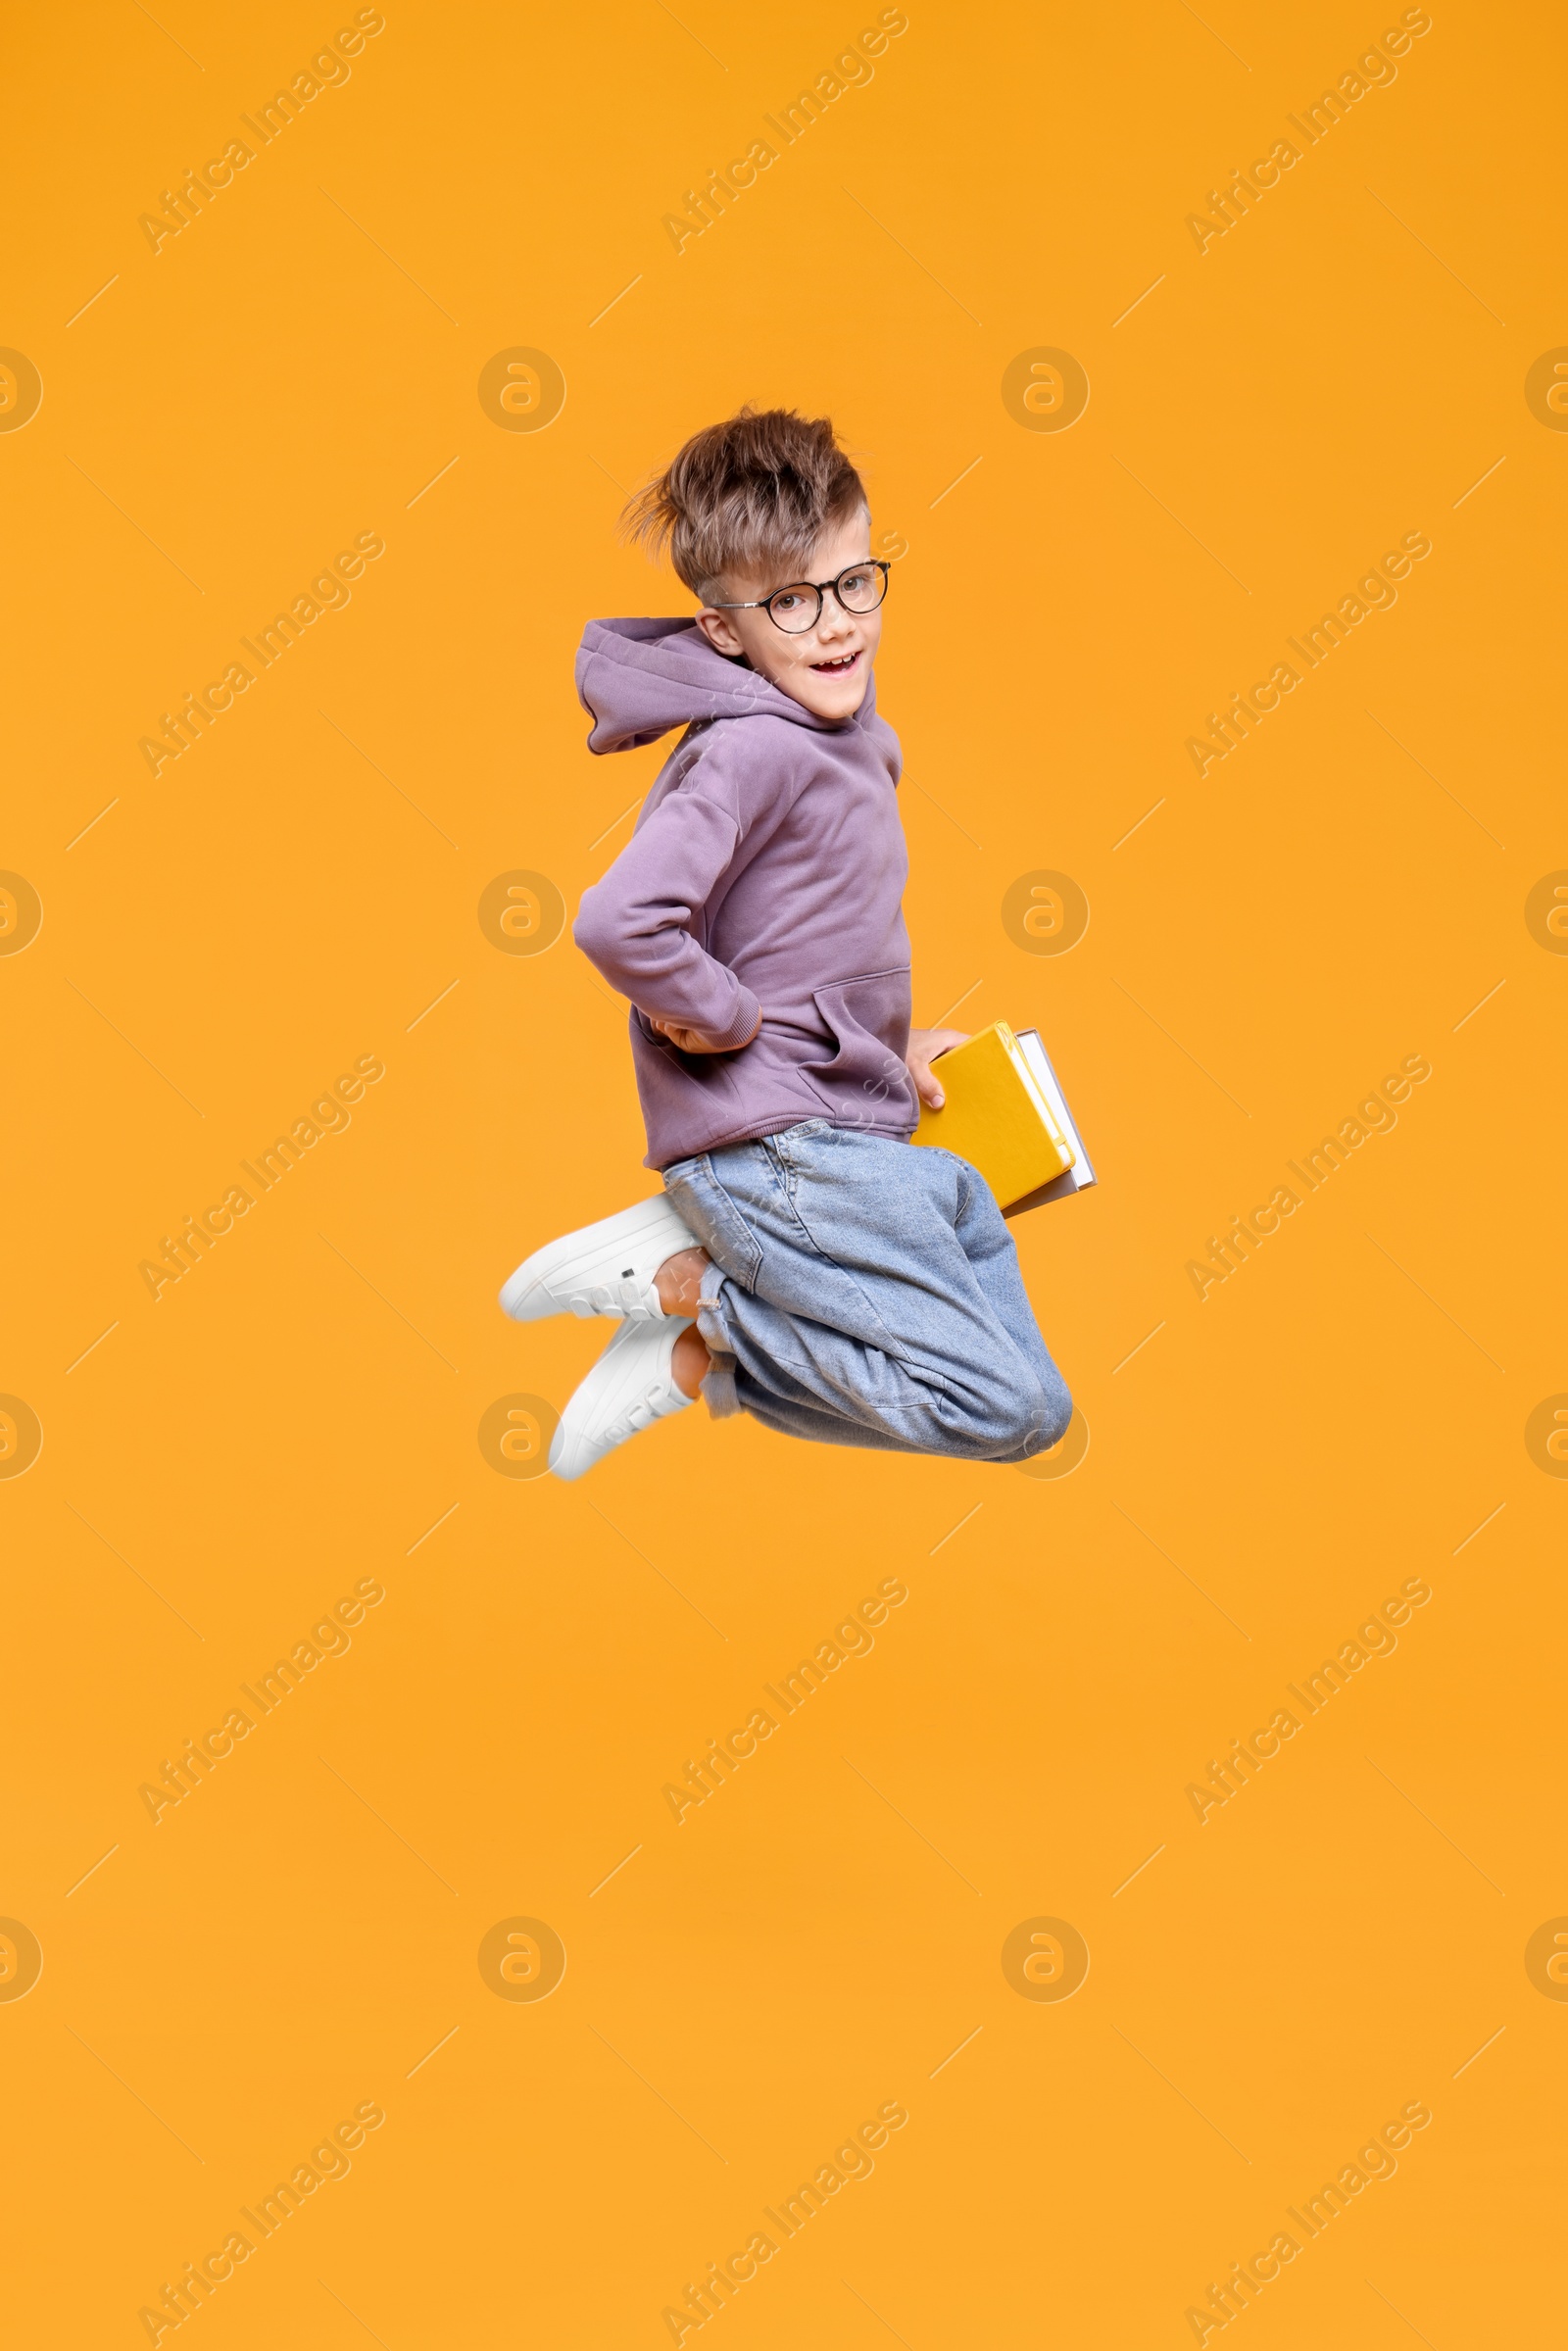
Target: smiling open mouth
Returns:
[[838, 667]]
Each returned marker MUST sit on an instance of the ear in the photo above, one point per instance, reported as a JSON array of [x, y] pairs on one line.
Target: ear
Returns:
[[720, 630]]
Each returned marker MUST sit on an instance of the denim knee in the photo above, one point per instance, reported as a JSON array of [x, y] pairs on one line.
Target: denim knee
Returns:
[[1050, 1421], [1011, 1420]]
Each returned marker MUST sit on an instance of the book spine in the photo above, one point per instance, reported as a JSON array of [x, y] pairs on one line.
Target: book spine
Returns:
[[1047, 1116]]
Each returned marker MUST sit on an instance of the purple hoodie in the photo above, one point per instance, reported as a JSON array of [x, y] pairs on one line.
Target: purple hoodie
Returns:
[[765, 873]]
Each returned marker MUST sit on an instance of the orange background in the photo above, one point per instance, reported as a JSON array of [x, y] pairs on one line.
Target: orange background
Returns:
[[300, 889]]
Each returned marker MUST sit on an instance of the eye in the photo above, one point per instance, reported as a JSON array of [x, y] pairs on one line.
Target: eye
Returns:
[[856, 583], [788, 599]]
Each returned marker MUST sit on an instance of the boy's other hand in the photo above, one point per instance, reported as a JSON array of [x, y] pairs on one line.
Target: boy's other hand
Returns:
[[924, 1047], [692, 1041]]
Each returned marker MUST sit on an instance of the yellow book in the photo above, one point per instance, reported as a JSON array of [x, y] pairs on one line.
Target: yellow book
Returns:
[[997, 1115]]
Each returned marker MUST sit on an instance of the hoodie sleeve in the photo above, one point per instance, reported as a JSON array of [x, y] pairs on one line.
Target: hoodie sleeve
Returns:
[[637, 925]]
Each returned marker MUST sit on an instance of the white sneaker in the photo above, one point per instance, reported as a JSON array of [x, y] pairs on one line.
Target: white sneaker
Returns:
[[630, 1386], [606, 1268]]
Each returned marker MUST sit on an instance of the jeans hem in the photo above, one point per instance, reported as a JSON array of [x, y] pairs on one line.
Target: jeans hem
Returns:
[[718, 1383]]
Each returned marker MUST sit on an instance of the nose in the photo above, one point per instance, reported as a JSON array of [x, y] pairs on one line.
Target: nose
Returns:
[[833, 621]]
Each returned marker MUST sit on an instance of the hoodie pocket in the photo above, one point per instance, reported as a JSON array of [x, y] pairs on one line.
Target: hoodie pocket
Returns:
[[869, 1020]]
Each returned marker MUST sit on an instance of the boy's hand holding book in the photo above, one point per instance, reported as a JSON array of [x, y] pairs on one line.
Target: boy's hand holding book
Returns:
[[1004, 1111], [924, 1047]]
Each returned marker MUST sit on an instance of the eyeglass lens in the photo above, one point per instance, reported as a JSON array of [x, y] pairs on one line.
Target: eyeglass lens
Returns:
[[797, 608]]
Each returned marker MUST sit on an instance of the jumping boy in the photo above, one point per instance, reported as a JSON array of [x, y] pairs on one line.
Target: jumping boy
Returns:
[[803, 1262]]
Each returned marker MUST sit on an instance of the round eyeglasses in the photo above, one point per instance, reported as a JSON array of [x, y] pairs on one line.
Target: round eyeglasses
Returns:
[[797, 610]]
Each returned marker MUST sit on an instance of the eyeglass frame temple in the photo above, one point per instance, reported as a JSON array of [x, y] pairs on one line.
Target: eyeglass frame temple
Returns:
[[818, 588]]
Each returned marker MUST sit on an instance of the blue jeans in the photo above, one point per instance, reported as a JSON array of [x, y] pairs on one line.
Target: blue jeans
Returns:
[[866, 1293]]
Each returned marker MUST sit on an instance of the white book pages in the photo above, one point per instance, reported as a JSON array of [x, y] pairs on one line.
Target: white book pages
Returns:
[[1080, 1174]]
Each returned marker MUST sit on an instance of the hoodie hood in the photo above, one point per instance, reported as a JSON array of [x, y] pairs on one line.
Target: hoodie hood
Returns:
[[639, 679]]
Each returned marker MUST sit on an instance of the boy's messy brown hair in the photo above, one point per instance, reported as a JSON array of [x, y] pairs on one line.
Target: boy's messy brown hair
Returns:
[[748, 497]]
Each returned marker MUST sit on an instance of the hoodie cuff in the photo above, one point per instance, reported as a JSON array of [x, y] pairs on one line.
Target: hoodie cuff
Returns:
[[739, 1032]]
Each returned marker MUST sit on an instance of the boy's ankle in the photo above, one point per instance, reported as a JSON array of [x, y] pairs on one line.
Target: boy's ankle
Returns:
[[689, 1362], [679, 1279]]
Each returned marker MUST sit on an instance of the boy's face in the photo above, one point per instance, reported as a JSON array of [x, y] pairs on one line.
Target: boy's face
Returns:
[[827, 671]]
